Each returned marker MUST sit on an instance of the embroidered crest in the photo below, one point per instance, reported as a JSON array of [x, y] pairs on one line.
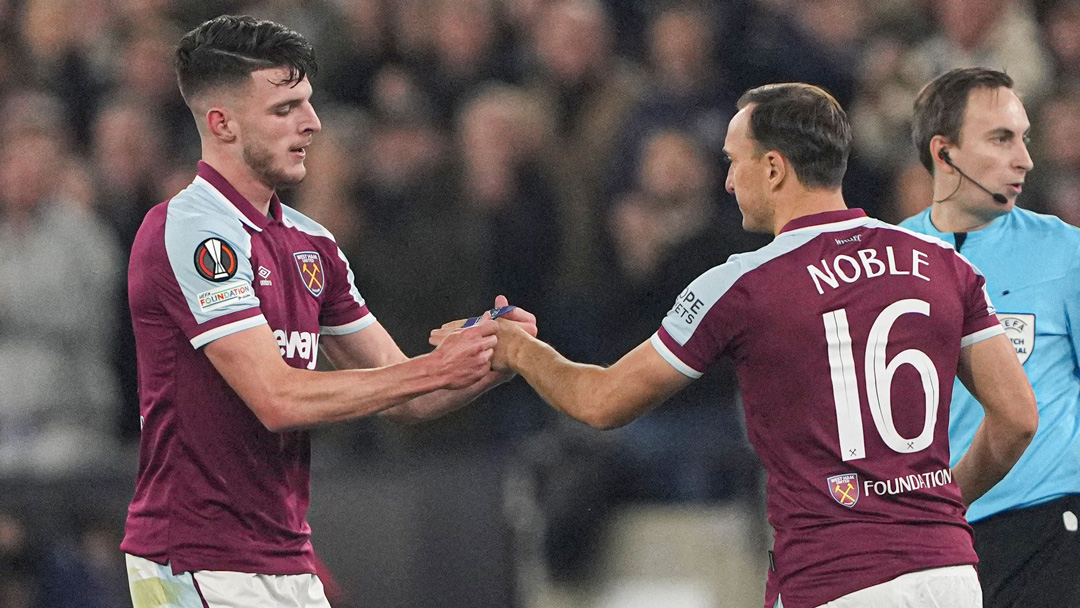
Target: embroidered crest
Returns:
[[844, 489], [311, 271]]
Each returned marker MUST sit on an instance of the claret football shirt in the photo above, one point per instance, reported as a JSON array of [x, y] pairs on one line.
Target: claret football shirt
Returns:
[[216, 490], [846, 333]]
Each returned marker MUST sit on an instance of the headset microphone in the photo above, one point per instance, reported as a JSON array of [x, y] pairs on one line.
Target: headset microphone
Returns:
[[997, 196]]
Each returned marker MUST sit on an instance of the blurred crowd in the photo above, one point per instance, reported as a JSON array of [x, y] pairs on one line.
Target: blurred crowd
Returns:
[[566, 153]]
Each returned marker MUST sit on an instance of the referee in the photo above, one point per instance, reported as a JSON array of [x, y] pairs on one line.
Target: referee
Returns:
[[971, 132]]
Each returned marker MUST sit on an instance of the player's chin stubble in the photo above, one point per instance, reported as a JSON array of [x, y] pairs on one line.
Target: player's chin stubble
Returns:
[[261, 162]]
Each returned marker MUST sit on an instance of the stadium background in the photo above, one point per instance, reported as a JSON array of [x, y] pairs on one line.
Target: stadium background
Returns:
[[563, 152]]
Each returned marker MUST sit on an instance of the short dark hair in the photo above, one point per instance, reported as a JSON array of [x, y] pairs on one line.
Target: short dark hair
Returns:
[[941, 104], [227, 49], [804, 123]]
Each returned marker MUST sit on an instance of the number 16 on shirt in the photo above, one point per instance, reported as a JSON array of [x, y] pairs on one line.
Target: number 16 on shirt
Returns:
[[879, 377]]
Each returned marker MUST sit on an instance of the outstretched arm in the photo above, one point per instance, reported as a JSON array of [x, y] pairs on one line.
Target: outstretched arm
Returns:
[[283, 397], [375, 348], [991, 371], [602, 397], [364, 349]]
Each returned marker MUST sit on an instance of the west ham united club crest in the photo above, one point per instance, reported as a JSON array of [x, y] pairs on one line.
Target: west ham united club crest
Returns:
[[311, 271], [844, 489], [215, 260]]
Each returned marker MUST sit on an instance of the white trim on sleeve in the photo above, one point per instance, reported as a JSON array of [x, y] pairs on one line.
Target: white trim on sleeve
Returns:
[[671, 358], [229, 328], [341, 330], [981, 335]]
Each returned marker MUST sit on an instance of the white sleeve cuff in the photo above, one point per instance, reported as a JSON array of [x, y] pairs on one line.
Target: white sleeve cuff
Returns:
[[981, 335], [670, 357], [341, 330], [229, 328]]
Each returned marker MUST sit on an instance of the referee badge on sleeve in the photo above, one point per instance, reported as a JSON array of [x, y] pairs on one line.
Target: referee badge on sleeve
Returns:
[[1020, 329], [215, 260]]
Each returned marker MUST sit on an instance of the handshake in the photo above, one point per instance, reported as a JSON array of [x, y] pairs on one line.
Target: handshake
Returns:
[[468, 350]]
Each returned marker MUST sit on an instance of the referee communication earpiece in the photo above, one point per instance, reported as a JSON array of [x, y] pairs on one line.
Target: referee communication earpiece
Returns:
[[997, 196]]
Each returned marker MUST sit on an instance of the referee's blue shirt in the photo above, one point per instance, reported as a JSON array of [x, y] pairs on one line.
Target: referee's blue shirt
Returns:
[[1032, 267]]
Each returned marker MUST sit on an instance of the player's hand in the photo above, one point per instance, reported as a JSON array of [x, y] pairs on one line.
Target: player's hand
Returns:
[[517, 315], [509, 335], [464, 356], [526, 319], [438, 335]]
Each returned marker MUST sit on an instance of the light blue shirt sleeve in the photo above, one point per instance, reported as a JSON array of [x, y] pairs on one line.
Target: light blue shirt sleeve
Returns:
[[210, 256]]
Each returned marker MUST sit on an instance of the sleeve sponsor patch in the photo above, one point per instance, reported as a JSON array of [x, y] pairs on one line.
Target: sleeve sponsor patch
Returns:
[[232, 292], [215, 260]]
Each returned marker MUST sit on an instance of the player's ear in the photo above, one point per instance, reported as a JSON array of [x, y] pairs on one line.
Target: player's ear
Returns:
[[220, 124], [777, 167]]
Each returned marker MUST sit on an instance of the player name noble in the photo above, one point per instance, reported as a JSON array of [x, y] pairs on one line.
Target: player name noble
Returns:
[[868, 263]]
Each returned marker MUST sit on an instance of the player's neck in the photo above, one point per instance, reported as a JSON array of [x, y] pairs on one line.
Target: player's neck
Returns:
[[241, 177], [949, 216], [806, 202]]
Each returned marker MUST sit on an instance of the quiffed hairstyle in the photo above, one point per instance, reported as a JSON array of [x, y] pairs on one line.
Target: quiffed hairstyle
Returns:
[[940, 106], [227, 49], [804, 123]]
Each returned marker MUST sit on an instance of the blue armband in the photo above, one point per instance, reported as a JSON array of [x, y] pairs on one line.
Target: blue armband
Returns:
[[495, 314]]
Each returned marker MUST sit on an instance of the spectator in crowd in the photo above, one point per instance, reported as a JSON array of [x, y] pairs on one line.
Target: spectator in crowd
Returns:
[[56, 39], [664, 232], [57, 294], [505, 140], [667, 226], [880, 118], [406, 198], [688, 90], [329, 195], [129, 169], [999, 33], [509, 232], [591, 90], [365, 47], [126, 152], [145, 73], [1056, 185], [816, 41], [84, 568], [20, 564], [1062, 24], [467, 51]]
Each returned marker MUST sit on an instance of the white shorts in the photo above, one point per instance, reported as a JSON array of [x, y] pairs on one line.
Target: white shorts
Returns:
[[155, 586], [948, 587]]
